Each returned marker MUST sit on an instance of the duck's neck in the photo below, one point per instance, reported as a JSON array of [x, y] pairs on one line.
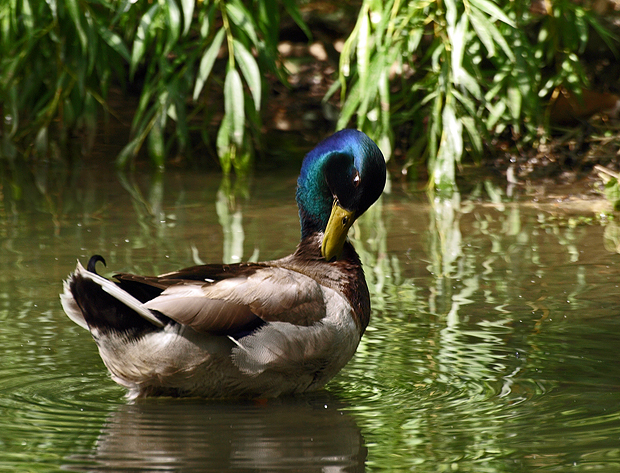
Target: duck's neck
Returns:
[[344, 275]]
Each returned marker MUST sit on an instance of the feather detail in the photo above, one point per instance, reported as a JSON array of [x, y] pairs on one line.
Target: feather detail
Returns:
[[232, 304]]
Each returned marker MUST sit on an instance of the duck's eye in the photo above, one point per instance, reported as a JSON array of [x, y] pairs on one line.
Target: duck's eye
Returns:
[[356, 179], [345, 220]]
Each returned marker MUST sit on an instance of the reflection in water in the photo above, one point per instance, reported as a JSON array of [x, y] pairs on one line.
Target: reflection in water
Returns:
[[492, 345], [297, 434]]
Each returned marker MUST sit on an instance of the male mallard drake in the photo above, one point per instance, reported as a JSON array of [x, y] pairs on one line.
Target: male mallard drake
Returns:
[[249, 329]]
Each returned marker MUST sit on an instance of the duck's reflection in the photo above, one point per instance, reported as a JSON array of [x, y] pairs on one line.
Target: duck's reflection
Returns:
[[309, 433]]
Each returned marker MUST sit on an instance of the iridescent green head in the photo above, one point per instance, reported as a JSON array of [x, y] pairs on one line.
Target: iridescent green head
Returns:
[[340, 178]]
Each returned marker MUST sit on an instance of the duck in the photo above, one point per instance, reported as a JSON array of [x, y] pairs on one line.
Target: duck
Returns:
[[245, 330]]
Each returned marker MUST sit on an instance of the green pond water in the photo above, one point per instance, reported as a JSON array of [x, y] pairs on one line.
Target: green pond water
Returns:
[[493, 344]]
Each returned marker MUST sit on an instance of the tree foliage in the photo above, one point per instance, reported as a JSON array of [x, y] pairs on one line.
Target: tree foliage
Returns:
[[451, 75], [61, 57], [439, 78]]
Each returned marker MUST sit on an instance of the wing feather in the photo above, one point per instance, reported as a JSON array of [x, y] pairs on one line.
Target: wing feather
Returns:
[[232, 304]]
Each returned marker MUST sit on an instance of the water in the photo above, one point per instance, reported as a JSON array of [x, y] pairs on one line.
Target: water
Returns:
[[492, 347]]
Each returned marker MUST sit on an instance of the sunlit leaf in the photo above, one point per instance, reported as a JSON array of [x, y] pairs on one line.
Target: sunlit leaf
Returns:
[[449, 152], [470, 83], [493, 10], [188, 12], [483, 27], [241, 17], [467, 102], [458, 42], [612, 192], [26, 16], [514, 99], [234, 105], [174, 23], [370, 88], [207, 61], [363, 49], [250, 71], [453, 130], [582, 29], [503, 44], [114, 41], [451, 13], [140, 41], [495, 113]]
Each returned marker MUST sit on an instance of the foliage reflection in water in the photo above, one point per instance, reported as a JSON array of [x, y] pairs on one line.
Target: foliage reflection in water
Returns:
[[491, 348]]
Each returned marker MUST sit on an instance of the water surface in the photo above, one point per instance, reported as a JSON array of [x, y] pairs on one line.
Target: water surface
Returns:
[[492, 345]]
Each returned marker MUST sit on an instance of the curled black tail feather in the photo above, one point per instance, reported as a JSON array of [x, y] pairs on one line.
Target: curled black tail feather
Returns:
[[92, 262]]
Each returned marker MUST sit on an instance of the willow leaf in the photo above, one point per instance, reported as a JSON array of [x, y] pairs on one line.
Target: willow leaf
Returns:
[[114, 41], [139, 43], [188, 12], [174, 23], [76, 17], [207, 61], [234, 105], [241, 17], [250, 71], [482, 26], [293, 10], [493, 10]]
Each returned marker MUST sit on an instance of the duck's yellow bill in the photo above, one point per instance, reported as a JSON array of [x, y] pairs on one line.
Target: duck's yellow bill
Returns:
[[335, 235]]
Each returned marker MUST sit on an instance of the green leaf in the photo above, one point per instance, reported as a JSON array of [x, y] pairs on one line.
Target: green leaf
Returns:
[[250, 71], [370, 87], [234, 106], [76, 17], [495, 113], [469, 83], [188, 12], [466, 101], [483, 27], [501, 41], [453, 129], [606, 35], [514, 100], [142, 34], [155, 144], [222, 144], [207, 61], [451, 13], [458, 42], [114, 41], [475, 136], [128, 152], [174, 24], [581, 26], [612, 192], [241, 17], [350, 106], [26, 16], [493, 10], [292, 9], [363, 49]]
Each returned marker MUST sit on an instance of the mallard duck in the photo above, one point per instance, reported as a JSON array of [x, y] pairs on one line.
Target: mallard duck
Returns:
[[249, 329]]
